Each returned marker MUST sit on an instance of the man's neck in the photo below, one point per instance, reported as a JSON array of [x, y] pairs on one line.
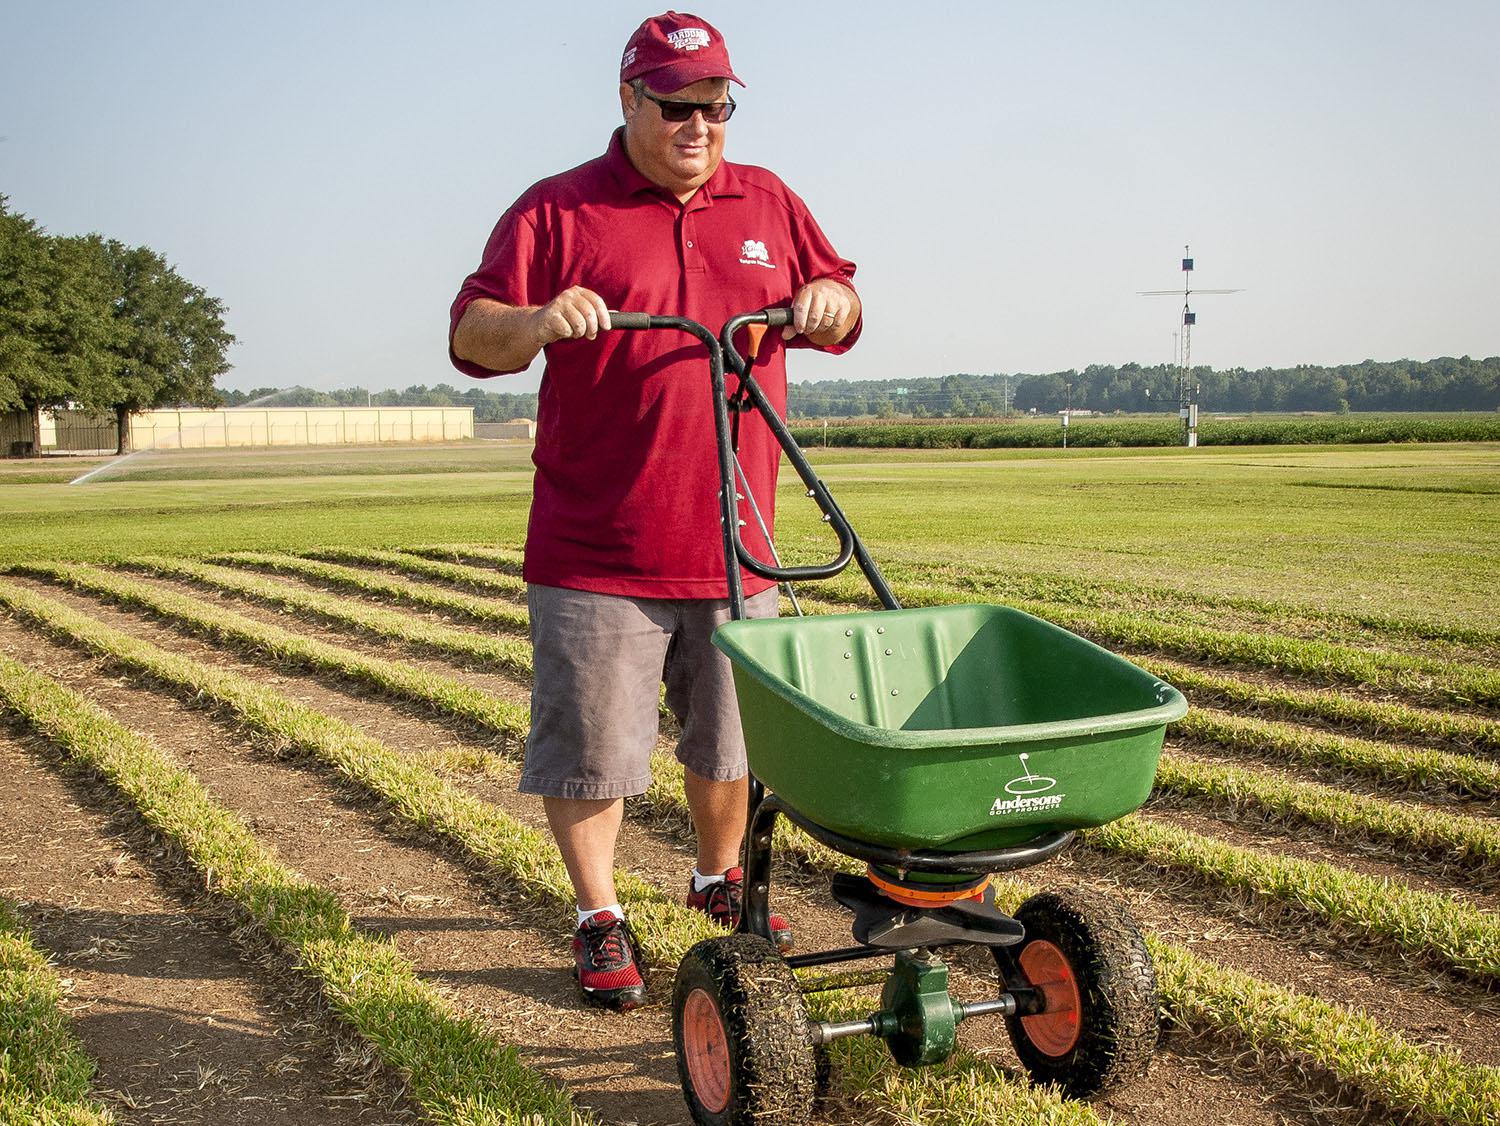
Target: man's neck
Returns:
[[682, 196]]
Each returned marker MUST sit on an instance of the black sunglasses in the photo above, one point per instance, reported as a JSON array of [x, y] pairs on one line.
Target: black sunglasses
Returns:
[[715, 113]]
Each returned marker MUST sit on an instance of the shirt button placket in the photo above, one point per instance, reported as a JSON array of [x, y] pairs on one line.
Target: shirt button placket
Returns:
[[692, 257]]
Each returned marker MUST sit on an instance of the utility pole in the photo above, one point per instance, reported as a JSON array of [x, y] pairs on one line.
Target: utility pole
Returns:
[[1188, 389], [1067, 415]]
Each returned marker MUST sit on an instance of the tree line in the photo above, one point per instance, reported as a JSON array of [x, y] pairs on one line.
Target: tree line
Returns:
[[1443, 384], [107, 328]]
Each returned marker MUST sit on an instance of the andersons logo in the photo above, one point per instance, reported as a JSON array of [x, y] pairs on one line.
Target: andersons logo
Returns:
[[1029, 793]]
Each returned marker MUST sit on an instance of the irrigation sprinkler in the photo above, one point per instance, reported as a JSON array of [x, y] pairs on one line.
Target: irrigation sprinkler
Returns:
[[1187, 389]]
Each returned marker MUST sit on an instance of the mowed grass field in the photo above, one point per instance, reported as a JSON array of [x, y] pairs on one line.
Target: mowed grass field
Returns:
[[261, 855]]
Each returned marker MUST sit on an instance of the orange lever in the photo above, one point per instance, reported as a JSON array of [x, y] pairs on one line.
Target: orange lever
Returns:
[[757, 334]]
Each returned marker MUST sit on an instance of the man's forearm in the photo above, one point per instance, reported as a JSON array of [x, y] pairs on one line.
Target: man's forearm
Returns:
[[497, 336]]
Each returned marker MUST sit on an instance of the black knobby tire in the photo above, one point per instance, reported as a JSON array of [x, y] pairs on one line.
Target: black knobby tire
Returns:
[[771, 1075], [1118, 1025]]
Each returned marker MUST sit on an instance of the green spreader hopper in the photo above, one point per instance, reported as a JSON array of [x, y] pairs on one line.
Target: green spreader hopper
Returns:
[[960, 728]]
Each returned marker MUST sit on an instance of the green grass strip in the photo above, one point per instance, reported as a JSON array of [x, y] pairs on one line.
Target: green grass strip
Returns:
[[1371, 717], [455, 1070], [1469, 842], [1435, 927], [483, 610], [506, 559], [441, 693], [477, 578], [993, 583], [44, 1072], [526, 858], [499, 652], [1411, 767], [1419, 678], [1431, 1085]]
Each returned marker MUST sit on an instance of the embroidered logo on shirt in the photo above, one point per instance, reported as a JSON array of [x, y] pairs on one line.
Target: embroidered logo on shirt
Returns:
[[754, 253], [688, 38]]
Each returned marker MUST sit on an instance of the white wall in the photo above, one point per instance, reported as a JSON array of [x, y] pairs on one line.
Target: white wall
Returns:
[[296, 426]]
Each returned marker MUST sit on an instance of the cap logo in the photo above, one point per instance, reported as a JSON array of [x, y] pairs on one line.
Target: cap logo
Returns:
[[628, 59], [688, 38]]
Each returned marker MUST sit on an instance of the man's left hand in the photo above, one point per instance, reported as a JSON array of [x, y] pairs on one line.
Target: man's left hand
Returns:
[[824, 311]]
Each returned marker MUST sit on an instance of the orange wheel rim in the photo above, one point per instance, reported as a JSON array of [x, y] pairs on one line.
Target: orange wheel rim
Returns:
[[1056, 1029], [706, 1050]]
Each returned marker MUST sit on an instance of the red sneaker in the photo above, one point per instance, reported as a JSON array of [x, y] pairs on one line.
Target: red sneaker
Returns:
[[721, 903], [608, 969]]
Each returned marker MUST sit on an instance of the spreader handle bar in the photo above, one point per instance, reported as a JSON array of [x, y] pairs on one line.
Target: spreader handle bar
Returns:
[[629, 320], [815, 488], [850, 545]]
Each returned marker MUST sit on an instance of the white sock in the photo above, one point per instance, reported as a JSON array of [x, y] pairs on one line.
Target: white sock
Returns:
[[613, 908], [700, 881]]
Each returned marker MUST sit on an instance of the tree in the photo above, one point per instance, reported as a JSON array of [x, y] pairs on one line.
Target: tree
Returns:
[[23, 267], [170, 342], [56, 328]]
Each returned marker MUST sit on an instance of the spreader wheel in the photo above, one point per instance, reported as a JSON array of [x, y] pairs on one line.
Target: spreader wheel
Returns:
[[1085, 954], [741, 1034]]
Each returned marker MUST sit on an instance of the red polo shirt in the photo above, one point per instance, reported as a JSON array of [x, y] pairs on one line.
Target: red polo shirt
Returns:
[[625, 500]]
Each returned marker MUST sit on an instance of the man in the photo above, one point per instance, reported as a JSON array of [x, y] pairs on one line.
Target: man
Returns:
[[624, 559]]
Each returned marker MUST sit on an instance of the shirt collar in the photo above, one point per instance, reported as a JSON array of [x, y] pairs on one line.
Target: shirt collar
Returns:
[[724, 181]]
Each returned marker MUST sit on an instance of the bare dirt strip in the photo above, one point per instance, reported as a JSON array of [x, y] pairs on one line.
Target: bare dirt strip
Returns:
[[1190, 1082]]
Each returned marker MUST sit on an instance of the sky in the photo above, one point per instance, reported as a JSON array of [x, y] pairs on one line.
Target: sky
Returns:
[[1007, 175]]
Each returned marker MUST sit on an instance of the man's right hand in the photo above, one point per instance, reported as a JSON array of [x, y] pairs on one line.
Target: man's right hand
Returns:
[[575, 313], [508, 337]]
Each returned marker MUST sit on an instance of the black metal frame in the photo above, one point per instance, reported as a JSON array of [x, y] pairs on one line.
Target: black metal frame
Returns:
[[764, 807]]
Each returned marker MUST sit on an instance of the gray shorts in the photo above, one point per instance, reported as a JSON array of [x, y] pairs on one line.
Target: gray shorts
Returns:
[[600, 660]]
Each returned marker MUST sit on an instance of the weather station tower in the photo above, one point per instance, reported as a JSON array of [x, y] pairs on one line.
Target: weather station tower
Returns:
[[1188, 389]]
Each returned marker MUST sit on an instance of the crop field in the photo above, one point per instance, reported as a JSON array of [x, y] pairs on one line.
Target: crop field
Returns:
[[262, 858]]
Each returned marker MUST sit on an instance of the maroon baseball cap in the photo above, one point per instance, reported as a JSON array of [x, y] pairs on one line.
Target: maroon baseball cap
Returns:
[[674, 50]]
